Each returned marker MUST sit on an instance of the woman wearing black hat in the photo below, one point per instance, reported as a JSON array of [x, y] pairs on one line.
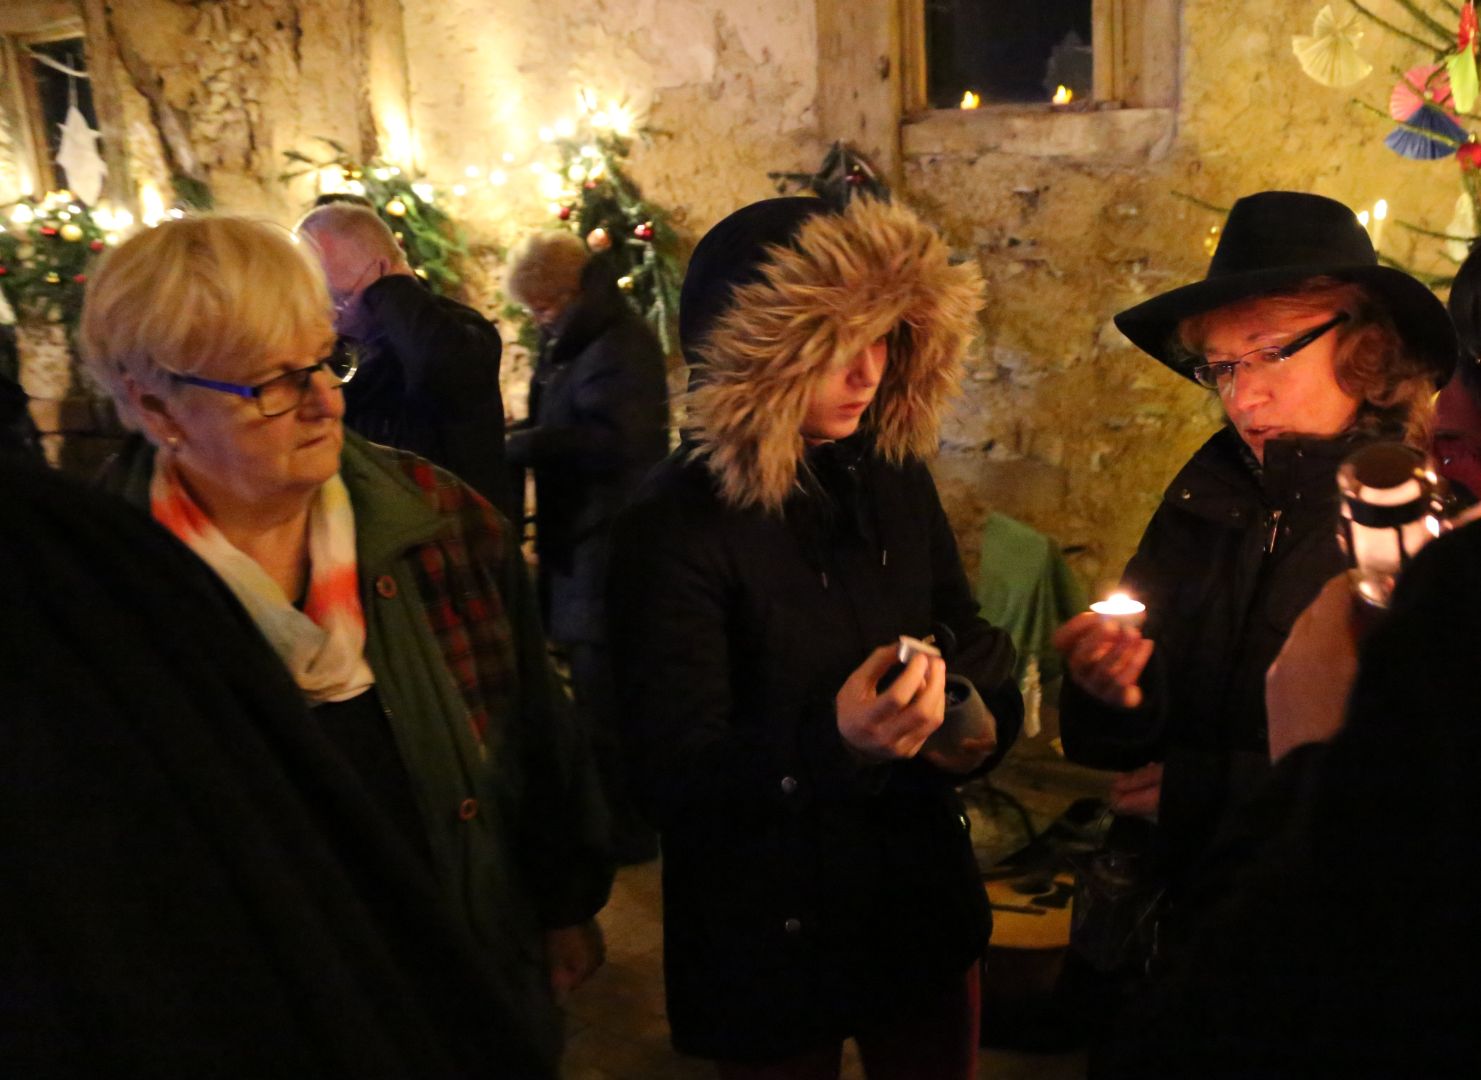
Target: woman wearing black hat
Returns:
[[1314, 349], [819, 881]]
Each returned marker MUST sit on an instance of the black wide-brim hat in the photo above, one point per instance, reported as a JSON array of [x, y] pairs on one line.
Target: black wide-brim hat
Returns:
[[1274, 240]]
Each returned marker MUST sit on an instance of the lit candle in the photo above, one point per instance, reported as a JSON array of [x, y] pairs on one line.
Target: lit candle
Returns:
[[1063, 95], [970, 100], [1380, 215], [1121, 609]]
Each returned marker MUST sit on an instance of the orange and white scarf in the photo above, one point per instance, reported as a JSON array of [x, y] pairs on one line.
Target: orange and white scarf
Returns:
[[324, 644]]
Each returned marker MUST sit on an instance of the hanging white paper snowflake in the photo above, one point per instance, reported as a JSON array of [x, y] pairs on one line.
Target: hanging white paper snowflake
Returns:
[[78, 156]]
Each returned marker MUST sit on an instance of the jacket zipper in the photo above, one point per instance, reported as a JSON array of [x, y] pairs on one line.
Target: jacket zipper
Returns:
[[1273, 522]]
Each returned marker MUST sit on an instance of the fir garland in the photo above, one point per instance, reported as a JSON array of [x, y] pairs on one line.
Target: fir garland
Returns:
[[434, 246], [47, 249]]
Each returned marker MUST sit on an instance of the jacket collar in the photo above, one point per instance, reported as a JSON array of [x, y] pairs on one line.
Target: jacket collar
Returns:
[[391, 513], [1223, 482]]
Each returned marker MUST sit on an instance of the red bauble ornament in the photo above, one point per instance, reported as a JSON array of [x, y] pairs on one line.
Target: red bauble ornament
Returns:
[[79, 278], [590, 185], [564, 213], [644, 231], [4, 270], [1469, 156], [47, 230], [96, 245], [598, 240]]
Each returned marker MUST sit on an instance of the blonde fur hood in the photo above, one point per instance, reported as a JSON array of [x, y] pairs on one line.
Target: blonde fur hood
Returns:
[[846, 280]]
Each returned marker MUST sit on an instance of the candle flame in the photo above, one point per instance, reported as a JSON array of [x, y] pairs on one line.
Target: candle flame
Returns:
[[1380, 210], [1063, 95], [970, 100]]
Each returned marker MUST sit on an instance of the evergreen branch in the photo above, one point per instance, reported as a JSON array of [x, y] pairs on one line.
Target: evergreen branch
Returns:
[[1196, 201], [1433, 281], [1399, 31], [1427, 20], [1448, 6], [1422, 231], [1435, 136]]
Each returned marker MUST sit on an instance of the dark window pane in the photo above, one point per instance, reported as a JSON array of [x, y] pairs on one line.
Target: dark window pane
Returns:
[[1006, 50], [53, 90]]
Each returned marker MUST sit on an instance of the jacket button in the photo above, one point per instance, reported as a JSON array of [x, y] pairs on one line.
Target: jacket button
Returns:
[[789, 785], [793, 926], [1185, 494], [385, 586], [468, 809]]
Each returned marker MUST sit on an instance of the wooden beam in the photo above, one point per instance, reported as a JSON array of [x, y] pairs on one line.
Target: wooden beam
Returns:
[[40, 18], [859, 79], [107, 85]]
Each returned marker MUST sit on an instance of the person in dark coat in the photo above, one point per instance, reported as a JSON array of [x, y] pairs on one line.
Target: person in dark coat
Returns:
[[1314, 350], [429, 369], [818, 877], [17, 429], [196, 884], [1335, 923], [1456, 444], [598, 421]]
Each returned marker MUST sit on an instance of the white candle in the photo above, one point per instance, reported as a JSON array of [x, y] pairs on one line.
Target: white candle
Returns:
[[1121, 609]]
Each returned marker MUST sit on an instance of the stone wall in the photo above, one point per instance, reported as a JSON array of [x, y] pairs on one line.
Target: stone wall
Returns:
[[1064, 424], [1071, 216]]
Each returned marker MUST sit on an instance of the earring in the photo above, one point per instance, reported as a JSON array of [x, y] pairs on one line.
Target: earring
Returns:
[[172, 441]]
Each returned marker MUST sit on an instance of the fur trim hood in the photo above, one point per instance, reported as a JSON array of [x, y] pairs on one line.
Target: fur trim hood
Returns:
[[842, 281]]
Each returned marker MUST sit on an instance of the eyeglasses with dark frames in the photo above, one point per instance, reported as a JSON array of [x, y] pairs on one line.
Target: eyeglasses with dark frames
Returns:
[[1219, 374], [285, 393]]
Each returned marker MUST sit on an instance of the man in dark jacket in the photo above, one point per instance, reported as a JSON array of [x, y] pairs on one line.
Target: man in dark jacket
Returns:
[[598, 420], [429, 373]]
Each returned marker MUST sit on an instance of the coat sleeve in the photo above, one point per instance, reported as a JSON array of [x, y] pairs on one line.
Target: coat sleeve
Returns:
[[620, 398], [1103, 736], [449, 353], [564, 823], [670, 619]]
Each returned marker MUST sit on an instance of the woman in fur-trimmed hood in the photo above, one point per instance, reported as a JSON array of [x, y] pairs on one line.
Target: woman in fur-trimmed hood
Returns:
[[818, 876]]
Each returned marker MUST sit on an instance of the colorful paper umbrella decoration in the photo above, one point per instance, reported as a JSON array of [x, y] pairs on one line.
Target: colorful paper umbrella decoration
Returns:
[[1423, 85], [1430, 134], [1461, 65], [1329, 54]]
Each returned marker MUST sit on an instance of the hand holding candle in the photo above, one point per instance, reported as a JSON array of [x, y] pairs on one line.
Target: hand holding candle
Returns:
[[1105, 651]]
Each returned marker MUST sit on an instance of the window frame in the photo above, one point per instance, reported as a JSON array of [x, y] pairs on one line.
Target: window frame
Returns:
[[1135, 58]]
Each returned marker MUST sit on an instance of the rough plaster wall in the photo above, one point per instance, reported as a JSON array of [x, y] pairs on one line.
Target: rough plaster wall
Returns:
[[1064, 424], [730, 87], [231, 84]]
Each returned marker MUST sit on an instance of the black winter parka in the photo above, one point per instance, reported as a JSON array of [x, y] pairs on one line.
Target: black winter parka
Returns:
[[1233, 555], [805, 894]]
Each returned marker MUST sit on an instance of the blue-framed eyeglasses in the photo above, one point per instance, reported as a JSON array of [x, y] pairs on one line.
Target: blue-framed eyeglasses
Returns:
[[285, 393], [1219, 374]]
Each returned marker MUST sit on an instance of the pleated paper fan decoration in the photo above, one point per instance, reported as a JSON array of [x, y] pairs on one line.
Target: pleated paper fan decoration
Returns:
[[1329, 54], [1423, 85], [1415, 141]]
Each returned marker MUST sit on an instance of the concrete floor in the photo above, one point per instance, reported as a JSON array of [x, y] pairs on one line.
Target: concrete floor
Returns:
[[616, 1025]]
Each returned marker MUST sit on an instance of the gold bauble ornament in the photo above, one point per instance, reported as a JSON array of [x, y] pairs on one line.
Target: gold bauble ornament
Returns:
[[52, 278], [396, 208], [71, 231]]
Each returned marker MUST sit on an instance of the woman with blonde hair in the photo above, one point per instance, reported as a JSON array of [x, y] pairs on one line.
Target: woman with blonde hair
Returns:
[[1314, 350], [393, 594]]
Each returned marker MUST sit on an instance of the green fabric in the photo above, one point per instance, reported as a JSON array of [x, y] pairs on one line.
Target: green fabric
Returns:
[[494, 892], [1025, 587]]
